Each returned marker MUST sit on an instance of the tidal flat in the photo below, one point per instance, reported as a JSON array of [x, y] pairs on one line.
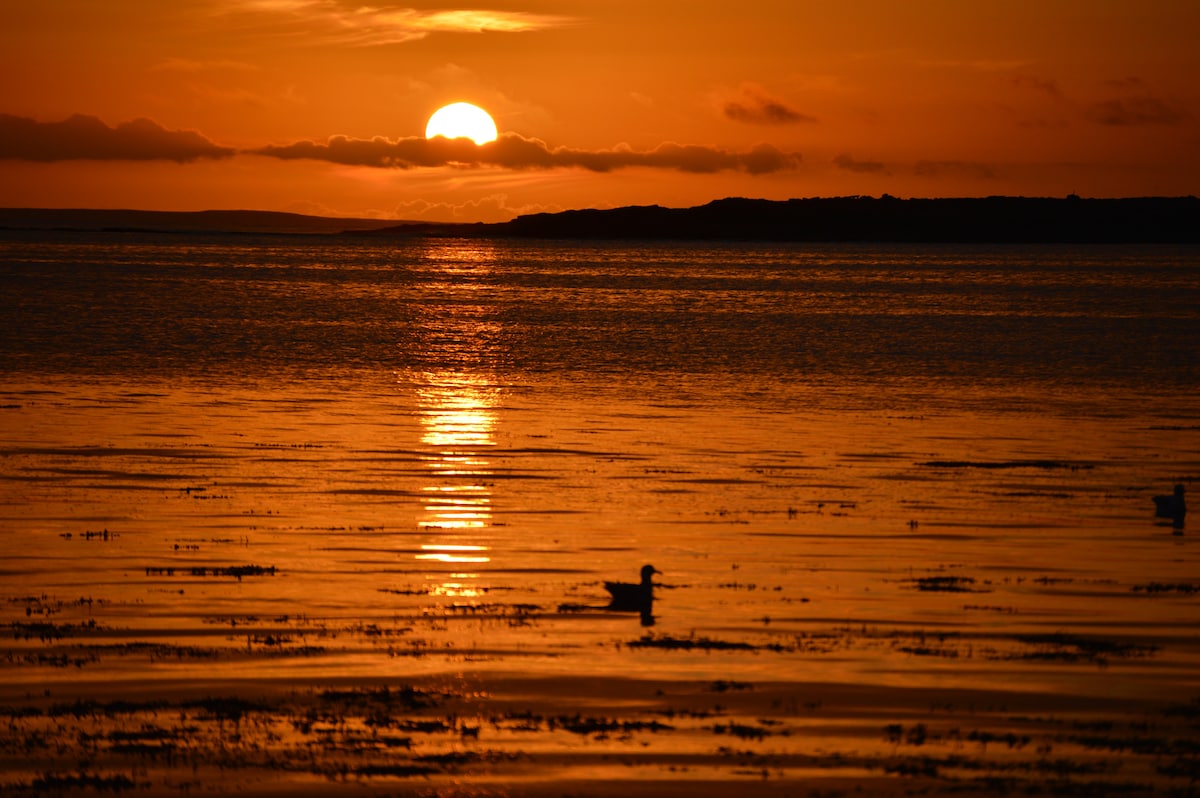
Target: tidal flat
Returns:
[[272, 593]]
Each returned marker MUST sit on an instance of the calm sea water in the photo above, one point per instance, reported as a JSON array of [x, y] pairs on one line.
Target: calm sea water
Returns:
[[300, 461], [227, 309]]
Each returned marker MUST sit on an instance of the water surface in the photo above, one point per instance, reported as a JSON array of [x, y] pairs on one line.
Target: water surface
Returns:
[[283, 511]]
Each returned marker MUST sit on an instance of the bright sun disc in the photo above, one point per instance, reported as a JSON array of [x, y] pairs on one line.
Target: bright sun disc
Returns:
[[462, 120]]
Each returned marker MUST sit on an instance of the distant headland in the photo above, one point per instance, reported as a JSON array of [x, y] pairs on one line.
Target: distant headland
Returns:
[[130, 221], [835, 219], [862, 219]]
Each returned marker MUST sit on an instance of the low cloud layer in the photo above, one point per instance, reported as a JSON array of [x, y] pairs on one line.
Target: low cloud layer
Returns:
[[87, 138], [516, 152], [755, 106]]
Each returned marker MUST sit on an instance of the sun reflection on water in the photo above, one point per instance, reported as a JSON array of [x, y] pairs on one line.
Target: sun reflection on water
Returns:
[[445, 552], [458, 421], [457, 404], [467, 588]]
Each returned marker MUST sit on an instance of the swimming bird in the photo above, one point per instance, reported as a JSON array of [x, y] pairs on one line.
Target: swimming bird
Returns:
[[1172, 506], [638, 597]]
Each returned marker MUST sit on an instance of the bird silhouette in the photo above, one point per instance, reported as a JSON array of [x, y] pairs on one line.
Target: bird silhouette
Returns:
[[639, 597], [1172, 506]]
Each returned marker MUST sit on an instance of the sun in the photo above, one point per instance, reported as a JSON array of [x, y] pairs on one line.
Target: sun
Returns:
[[462, 120]]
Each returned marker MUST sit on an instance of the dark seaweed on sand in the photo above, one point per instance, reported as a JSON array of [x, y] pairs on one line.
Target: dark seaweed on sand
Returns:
[[577, 724], [1163, 587], [688, 644], [1004, 464], [237, 571], [1064, 647], [946, 584]]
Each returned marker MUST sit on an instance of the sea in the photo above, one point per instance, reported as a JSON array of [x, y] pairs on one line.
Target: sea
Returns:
[[335, 514]]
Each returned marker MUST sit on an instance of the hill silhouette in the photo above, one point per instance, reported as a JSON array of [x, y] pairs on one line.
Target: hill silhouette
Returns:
[[861, 219], [121, 221], [989, 219]]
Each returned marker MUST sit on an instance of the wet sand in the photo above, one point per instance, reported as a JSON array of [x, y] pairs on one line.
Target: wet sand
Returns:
[[397, 590]]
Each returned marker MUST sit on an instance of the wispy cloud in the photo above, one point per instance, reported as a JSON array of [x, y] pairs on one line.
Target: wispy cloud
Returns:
[[844, 161], [1043, 86], [753, 104], [188, 65], [87, 138], [970, 169], [974, 64], [331, 22], [494, 207], [1135, 103], [516, 152], [1142, 109]]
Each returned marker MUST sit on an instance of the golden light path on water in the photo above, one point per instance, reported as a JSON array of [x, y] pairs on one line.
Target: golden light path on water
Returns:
[[458, 421]]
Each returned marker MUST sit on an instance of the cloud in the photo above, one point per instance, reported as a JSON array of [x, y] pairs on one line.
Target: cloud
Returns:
[[1136, 105], [188, 65], [844, 161], [954, 169], [1136, 110], [330, 22], [755, 106], [516, 152], [976, 64], [87, 138], [1130, 83], [1042, 86], [494, 207]]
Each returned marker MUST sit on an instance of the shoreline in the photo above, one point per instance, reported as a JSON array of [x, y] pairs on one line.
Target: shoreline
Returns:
[[474, 733]]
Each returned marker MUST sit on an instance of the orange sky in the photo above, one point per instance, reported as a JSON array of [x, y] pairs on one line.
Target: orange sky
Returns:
[[194, 104]]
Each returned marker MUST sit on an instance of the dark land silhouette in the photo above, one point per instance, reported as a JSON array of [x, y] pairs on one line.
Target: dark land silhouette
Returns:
[[133, 221], [849, 219], [886, 219]]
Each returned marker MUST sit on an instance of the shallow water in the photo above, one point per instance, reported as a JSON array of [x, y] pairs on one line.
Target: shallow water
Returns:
[[280, 512]]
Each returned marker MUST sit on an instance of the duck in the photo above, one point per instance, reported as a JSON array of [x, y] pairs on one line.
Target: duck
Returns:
[[1172, 506], [638, 597]]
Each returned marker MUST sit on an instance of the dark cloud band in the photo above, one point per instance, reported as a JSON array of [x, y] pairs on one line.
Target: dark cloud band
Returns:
[[516, 152], [87, 138]]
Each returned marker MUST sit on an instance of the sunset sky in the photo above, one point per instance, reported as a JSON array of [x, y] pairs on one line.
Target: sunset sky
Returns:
[[320, 106]]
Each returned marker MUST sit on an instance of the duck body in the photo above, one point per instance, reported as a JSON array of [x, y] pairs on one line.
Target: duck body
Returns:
[[627, 597], [1172, 506]]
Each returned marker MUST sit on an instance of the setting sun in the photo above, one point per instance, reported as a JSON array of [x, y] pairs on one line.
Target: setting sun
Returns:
[[462, 120]]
